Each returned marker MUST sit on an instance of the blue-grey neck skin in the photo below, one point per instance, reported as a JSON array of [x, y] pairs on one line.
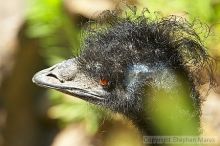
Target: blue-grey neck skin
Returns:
[[145, 86]]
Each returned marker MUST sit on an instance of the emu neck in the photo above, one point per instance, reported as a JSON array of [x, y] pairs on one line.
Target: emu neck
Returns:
[[171, 106]]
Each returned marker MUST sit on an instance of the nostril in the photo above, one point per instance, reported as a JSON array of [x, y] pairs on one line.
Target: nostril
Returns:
[[54, 76]]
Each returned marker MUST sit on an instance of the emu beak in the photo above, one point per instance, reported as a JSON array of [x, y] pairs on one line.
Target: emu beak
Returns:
[[66, 77]]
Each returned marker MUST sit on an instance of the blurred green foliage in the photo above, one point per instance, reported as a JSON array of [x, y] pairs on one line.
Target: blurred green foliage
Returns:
[[69, 110], [59, 38], [203, 9], [171, 110], [57, 33]]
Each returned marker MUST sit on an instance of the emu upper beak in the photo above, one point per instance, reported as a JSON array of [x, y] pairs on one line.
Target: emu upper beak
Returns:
[[66, 77]]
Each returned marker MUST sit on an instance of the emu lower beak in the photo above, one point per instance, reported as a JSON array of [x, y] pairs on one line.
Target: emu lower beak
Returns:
[[66, 77]]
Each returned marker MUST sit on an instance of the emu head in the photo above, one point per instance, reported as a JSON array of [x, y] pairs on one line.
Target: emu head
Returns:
[[121, 64]]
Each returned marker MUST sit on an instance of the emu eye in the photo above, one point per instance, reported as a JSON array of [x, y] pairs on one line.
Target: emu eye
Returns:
[[104, 82]]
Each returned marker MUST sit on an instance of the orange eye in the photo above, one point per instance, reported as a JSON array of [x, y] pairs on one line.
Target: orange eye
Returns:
[[103, 82]]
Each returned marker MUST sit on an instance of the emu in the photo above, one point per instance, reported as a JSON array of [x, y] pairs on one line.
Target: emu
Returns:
[[132, 63]]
